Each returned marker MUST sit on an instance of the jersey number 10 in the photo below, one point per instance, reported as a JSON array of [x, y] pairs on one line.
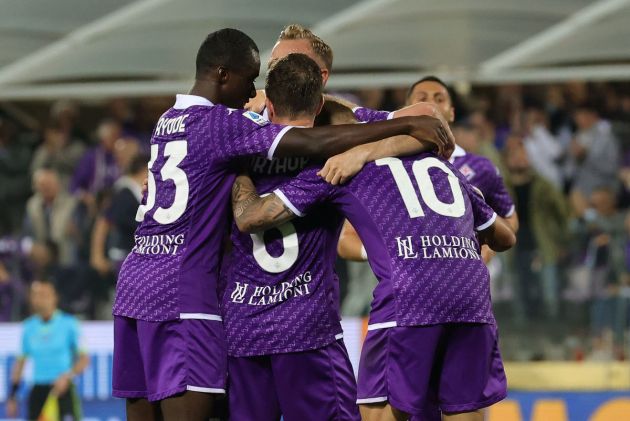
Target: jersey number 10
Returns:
[[420, 170]]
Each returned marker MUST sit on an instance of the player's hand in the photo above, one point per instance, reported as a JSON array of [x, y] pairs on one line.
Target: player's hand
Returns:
[[257, 104], [101, 265], [342, 167], [434, 130], [61, 385], [12, 408]]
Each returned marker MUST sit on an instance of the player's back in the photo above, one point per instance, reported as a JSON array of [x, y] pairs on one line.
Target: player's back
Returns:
[[173, 268], [281, 289], [417, 218]]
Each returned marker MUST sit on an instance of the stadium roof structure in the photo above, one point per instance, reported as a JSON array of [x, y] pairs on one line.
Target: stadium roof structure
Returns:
[[147, 47]]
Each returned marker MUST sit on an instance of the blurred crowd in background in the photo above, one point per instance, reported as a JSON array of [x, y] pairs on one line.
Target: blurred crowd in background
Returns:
[[71, 178]]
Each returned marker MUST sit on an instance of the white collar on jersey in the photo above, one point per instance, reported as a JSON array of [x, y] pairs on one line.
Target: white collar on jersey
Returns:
[[457, 153], [184, 101]]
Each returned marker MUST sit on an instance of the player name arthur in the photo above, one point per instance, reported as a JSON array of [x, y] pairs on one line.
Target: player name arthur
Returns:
[[436, 247]]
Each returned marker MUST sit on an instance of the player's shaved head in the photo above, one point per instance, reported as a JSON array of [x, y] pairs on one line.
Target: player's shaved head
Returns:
[[228, 48], [294, 86], [433, 89]]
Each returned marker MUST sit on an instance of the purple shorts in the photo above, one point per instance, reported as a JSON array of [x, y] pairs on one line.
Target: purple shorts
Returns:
[[155, 360], [311, 385], [454, 367]]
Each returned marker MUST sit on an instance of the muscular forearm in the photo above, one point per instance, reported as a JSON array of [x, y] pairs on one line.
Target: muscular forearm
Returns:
[[326, 141], [396, 146], [253, 213]]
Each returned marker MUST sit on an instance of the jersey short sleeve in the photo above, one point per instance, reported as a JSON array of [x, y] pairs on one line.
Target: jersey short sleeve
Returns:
[[367, 115], [242, 133], [496, 193], [26, 351], [306, 190], [74, 336], [483, 215]]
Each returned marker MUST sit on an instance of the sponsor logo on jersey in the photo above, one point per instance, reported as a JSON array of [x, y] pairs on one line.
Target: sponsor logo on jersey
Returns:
[[468, 172]]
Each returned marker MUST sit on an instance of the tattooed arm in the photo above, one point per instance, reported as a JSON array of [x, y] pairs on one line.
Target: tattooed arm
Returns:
[[253, 213]]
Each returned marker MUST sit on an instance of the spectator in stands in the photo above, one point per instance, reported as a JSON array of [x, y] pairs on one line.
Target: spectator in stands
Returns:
[[605, 230], [15, 185], [7, 294], [594, 156], [98, 168], [49, 214], [59, 152], [543, 150], [113, 233], [486, 132], [543, 218], [51, 339], [65, 115]]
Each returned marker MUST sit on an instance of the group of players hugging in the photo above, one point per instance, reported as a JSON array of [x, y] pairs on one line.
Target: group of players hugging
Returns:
[[196, 316]]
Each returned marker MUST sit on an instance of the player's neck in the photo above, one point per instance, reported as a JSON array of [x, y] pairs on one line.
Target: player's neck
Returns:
[[287, 121], [205, 90]]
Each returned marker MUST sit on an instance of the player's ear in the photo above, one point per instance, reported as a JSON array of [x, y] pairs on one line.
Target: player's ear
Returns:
[[271, 112], [223, 75], [321, 105], [325, 75]]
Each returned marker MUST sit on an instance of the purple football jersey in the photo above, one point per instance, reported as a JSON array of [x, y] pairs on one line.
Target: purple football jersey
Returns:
[[173, 268], [281, 292], [367, 115], [417, 218], [484, 175]]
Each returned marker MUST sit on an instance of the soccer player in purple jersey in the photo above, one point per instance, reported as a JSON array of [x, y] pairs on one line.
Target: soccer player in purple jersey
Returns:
[[432, 337], [480, 171], [169, 344], [297, 39], [280, 305]]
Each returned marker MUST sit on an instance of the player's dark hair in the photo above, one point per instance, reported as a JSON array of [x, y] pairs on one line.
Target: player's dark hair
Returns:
[[294, 86], [226, 47], [431, 78]]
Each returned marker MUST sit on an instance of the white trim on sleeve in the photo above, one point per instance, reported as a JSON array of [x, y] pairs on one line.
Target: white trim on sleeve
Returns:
[[274, 145], [205, 389], [383, 325], [488, 223], [287, 202], [339, 336], [510, 212], [200, 316], [390, 115], [372, 400]]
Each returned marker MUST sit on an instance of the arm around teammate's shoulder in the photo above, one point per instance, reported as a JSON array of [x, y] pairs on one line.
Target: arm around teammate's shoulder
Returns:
[[326, 141]]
